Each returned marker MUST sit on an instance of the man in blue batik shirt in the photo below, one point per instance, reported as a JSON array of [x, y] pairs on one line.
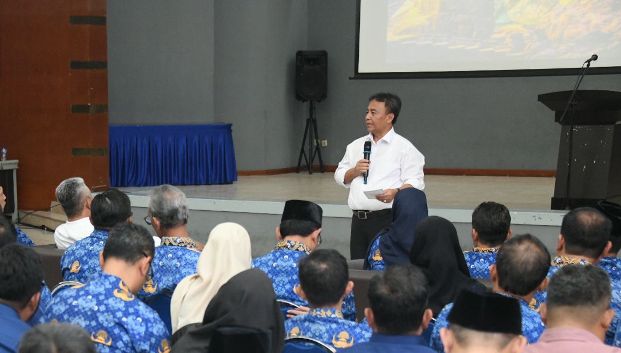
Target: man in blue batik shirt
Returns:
[[398, 312], [81, 260], [491, 226], [584, 240], [520, 270], [178, 253], [324, 283], [177, 256], [20, 286], [106, 306], [298, 234]]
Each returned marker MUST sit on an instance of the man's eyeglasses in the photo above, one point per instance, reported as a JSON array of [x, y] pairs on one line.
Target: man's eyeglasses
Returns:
[[148, 219]]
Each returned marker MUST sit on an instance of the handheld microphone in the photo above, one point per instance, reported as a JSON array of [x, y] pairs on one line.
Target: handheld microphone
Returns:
[[367, 154], [593, 57]]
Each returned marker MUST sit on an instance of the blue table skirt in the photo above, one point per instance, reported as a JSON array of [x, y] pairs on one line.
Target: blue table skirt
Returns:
[[171, 154]]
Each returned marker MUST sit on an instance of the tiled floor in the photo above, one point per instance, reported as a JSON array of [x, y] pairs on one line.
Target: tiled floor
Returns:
[[442, 191]]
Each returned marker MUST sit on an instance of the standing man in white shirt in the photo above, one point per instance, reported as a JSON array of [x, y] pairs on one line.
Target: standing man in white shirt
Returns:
[[75, 198], [394, 164]]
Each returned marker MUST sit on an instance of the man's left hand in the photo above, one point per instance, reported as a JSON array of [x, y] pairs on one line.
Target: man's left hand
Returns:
[[387, 196]]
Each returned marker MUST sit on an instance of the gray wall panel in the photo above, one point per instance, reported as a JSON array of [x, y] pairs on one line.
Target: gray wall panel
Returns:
[[161, 61], [255, 50]]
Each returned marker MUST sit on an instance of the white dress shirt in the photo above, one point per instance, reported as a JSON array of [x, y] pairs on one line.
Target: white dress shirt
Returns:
[[394, 161], [68, 233]]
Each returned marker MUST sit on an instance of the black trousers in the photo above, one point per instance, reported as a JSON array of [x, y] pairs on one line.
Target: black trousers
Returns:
[[364, 227]]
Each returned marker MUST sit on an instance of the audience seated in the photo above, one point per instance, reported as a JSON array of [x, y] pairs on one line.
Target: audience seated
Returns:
[[577, 312], [226, 254], [75, 198], [177, 255], [584, 239], [20, 291], [22, 238], [81, 260], [482, 323], [491, 226], [7, 237], [398, 312], [324, 283], [298, 234], [436, 251], [106, 305], [246, 302], [520, 270], [392, 245], [56, 338]]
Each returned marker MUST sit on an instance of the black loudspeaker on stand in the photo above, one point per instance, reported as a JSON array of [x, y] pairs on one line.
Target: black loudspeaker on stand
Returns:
[[311, 84]]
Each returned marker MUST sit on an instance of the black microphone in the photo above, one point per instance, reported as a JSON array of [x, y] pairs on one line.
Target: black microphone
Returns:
[[367, 154], [592, 58]]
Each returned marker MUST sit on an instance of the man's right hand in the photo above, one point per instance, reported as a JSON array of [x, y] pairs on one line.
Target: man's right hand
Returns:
[[362, 166]]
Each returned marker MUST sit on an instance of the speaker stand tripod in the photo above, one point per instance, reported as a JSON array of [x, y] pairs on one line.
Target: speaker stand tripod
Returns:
[[313, 142]]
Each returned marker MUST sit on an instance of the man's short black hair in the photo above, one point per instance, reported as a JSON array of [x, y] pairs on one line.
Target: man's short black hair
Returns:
[[398, 298], [392, 102], [128, 242], [522, 263], [323, 277], [297, 227], [20, 274], [7, 232], [584, 286], [56, 337], [492, 221], [110, 208], [586, 232]]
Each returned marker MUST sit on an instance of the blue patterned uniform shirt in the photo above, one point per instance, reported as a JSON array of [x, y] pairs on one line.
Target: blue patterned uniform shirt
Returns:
[[281, 266], [44, 302], [114, 318], [81, 260], [479, 260], [557, 263], [532, 326], [612, 265], [374, 257], [22, 238], [329, 327], [175, 259]]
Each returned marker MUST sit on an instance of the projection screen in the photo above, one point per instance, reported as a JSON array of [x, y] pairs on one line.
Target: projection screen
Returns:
[[483, 37]]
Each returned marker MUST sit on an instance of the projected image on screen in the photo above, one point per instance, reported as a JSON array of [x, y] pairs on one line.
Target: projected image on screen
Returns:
[[473, 35]]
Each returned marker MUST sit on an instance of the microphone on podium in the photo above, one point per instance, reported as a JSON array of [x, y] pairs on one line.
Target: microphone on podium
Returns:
[[367, 154]]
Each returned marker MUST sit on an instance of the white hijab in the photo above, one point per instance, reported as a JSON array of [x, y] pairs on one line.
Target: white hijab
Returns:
[[226, 254]]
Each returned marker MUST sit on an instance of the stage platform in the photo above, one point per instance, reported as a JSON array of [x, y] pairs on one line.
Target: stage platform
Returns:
[[256, 202]]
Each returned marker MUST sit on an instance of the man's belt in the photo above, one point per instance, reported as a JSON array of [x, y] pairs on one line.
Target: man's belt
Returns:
[[365, 214]]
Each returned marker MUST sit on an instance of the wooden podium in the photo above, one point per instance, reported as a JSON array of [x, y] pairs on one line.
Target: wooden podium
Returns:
[[595, 166]]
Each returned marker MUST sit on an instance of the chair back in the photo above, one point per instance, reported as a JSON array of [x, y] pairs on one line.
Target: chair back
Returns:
[[64, 285], [50, 260], [285, 306], [302, 344], [361, 279], [161, 304], [234, 339]]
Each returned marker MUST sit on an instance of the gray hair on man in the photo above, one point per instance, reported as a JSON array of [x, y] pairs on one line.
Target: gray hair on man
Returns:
[[72, 194], [169, 204]]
